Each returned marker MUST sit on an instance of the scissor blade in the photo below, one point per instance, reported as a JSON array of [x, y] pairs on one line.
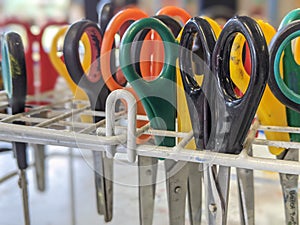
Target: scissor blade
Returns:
[[195, 193], [147, 167], [23, 186], [223, 180], [104, 184], [217, 189], [246, 195], [39, 160], [289, 185], [176, 181]]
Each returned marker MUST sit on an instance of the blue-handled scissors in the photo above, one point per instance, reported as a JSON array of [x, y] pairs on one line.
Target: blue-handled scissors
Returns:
[[221, 120], [15, 84], [97, 91]]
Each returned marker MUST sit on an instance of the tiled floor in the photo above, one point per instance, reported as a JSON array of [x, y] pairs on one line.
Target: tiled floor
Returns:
[[53, 207]]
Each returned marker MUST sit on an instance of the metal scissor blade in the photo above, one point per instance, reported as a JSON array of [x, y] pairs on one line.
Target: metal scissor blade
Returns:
[[246, 195], [195, 193], [104, 184], [217, 189], [245, 182], [176, 181], [23, 186], [289, 185], [147, 167], [39, 159]]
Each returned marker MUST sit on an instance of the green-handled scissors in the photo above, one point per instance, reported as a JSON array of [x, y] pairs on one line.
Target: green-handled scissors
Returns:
[[159, 100], [287, 90]]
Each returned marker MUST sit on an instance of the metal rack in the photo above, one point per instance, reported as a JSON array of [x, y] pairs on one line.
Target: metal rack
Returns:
[[61, 127]]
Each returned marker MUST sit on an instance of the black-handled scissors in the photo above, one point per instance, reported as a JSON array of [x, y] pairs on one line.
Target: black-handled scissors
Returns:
[[221, 120], [94, 86], [15, 84]]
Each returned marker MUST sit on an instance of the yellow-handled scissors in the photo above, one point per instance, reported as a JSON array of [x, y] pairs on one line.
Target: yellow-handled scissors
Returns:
[[270, 110]]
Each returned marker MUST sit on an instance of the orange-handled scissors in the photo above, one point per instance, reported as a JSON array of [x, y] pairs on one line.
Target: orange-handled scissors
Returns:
[[116, 23]]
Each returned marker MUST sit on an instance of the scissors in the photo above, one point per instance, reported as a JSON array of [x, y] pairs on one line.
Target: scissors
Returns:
[[220, 120], [60, 66], [270, 112], [147, 192], [154, 94], [287, 92], [184, 124], [97, 91], [41, 77], [14, 80]]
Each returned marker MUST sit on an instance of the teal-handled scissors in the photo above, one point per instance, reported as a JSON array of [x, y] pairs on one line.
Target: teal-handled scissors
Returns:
[[15, 84], [287, 91], [159, 100]]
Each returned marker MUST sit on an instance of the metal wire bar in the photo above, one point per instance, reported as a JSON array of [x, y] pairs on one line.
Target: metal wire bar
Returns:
[[295, 130], [145, 130], [95, 126], [45, 136], [61, 117], [36, 110], [279, 144]]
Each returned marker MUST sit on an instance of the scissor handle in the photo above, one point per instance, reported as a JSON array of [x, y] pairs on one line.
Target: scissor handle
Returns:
[[290, 17], [197, 29], [91, 82], [280, 41], [105, 11], [159, 92], [141, 69], [126, 43], [214, 25], [239, 112], [270, 110], [59, 64], [14, 77], [14, 70], [206, 39], [240, 75], [113, 27], [176, 12]]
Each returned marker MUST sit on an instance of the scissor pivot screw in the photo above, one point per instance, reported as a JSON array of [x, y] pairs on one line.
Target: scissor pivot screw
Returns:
[[178, 189], [149, 172], [212, 207]]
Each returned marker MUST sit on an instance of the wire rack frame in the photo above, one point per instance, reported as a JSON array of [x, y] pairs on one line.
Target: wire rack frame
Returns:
[[61, 127]]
